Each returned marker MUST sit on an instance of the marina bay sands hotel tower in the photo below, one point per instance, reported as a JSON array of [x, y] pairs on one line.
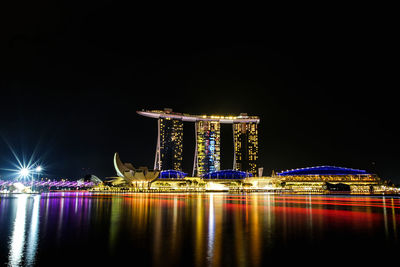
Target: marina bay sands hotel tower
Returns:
[[207, 157]]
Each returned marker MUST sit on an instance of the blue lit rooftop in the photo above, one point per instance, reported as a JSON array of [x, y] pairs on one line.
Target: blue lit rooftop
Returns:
[[227, 174], [323, 170], [172, 174]]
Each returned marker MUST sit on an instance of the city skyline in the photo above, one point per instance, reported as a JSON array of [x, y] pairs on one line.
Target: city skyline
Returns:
[[70, 87], [198, 136]]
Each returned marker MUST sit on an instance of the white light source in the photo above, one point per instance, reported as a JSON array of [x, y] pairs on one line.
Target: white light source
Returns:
[[24, 172], [38, 169]]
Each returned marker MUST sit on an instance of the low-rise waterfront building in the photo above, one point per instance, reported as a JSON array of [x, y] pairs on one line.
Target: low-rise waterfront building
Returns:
[[319, 179], [330, 179]]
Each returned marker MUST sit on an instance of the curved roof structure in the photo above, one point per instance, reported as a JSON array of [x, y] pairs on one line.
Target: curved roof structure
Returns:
[[322, 170], [172, 174], [131, 174], [227, 174], [156, 114]]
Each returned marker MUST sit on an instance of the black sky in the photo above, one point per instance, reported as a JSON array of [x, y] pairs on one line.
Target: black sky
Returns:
[[73, 76]]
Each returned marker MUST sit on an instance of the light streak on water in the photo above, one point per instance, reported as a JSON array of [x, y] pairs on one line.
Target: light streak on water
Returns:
[[34, 233], [211, 230], [214, 229], [17, 241]]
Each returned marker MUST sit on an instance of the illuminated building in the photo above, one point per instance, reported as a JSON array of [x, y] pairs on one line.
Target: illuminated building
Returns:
[[167, 113], [207, 151], [317, 180], [245, 136], [131, 176], [224, 180], [169, 144], [172, 174], [322, 178], [207, 154], [327, 173], [227, 175]]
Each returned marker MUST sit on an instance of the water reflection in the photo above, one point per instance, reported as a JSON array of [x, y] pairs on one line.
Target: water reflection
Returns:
[[211, 230], [18, 236], [115, 220], [193, 229], [33, 233]]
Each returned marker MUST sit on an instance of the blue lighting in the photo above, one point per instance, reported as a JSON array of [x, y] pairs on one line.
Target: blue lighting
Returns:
[[323, 170], [227, 174], [172, 174]]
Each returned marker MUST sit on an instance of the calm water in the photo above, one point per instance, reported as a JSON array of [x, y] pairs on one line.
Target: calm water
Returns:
[[196, 229]]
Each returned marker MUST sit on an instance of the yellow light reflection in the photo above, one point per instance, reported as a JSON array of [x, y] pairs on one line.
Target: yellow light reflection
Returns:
[[199, 214], [115, 219]]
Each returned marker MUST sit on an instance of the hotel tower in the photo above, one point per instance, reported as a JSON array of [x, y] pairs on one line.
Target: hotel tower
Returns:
[[207, 156], [245, 142], [169, 144]]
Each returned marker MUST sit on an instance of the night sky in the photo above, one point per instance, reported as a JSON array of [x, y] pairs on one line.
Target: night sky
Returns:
[[74, 75]]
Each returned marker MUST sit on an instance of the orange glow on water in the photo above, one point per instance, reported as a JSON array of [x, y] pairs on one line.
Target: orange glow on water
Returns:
[[216, 228]]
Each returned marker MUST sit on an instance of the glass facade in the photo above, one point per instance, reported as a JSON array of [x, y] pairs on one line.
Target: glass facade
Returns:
[[245, 138], [170, 144], [207, 147]]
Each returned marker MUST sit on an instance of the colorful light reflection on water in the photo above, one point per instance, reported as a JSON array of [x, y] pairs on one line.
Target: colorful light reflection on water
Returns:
[[195, 229]]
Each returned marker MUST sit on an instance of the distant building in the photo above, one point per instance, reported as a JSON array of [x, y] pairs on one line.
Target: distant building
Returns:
[[207, 155], [245, 136], [169, 144], [328, 173], [127, 175], [172, 174], [227, 175], [329, 178], [318, 180], [207, 158]]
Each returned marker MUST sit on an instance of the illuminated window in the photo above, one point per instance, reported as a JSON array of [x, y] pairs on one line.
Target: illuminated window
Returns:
[[245, 137]]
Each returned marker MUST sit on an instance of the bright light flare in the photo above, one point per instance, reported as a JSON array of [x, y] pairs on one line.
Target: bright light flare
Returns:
[[24, 167], [24, 172], [216, 187]]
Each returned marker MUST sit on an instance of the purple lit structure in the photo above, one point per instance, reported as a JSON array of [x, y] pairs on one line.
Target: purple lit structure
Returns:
[[76, 184]]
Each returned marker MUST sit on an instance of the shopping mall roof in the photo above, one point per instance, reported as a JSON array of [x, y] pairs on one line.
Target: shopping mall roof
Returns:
[[172, 174], [227, 174], [322, 170]]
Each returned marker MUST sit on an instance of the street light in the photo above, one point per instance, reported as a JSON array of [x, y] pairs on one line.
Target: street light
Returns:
[[38, 169], [24, 172]]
